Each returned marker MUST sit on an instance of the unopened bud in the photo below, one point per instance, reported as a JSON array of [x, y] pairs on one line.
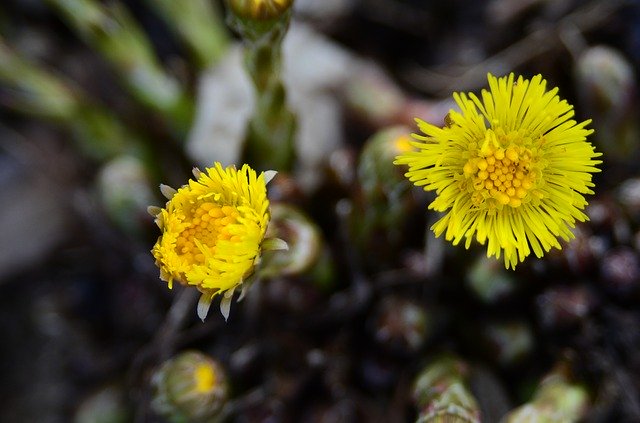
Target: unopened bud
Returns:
[[305, 244], [441, 393], [606, 78], [190, 387], [607, 86], [124, 187], [259, 10], [555, 400], [381, 211], [508, 343], [490, 281]]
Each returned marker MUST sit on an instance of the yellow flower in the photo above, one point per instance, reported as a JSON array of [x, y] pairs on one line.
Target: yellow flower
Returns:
[[190, 387], [212, 231], [260, 10], [510, 169]]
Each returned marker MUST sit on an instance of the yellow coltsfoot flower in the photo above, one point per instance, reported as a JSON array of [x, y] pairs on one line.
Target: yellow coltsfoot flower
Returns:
[[260, 10], [510, 169], [213, 232]]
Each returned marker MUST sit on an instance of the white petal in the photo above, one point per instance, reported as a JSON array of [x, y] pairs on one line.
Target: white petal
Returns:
[[203, 306], [167, 191], [225, 307], [269, 175], [154, 210]]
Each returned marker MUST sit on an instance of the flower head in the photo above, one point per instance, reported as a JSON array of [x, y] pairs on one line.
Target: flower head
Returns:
[[190, 387], [510, 169], [260, 10], [212, 230]]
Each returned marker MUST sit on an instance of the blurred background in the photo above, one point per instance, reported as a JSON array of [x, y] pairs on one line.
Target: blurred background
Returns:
[[101, 101]]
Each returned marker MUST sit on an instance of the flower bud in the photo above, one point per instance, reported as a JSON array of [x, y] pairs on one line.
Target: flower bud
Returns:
[[259, 10], [382, 208], [607, 85], [508, 343], [441, 393], [605, 78], [555, 400], [489, 280], [629, 197], [190, 387], [306, 252], [373, 98], [124, 189], [377, 179]]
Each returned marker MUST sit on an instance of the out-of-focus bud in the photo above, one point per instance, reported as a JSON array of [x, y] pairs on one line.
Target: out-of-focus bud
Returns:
[[508, 343], [306, 254], [555, 400], [441, 393], [564, 307], [607, 86], [380, 212], [107, 405], [608, 77], [490, 281], [260, 10], [377, 179], [629, 197], [620, 272], [190, 387], [373, 98], [400, 325], [124, 189]]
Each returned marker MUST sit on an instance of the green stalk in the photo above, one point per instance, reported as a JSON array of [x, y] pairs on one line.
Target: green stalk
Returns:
[[112, 31], [270, 137], [199, 24]]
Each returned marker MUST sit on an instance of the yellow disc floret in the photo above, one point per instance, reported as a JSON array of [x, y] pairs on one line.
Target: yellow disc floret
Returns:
[[502, 171]]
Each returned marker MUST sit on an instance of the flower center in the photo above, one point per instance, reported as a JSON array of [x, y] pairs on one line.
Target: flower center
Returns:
[[205, 378], [501, 171], [208, 225]]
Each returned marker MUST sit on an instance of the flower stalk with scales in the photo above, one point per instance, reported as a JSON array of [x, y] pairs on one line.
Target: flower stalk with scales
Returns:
[[269, 142]]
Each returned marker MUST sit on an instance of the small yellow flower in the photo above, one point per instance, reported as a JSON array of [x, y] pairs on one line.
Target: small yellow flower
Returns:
[[510, 169], [212, 231], [190, 387], [260, 10]]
